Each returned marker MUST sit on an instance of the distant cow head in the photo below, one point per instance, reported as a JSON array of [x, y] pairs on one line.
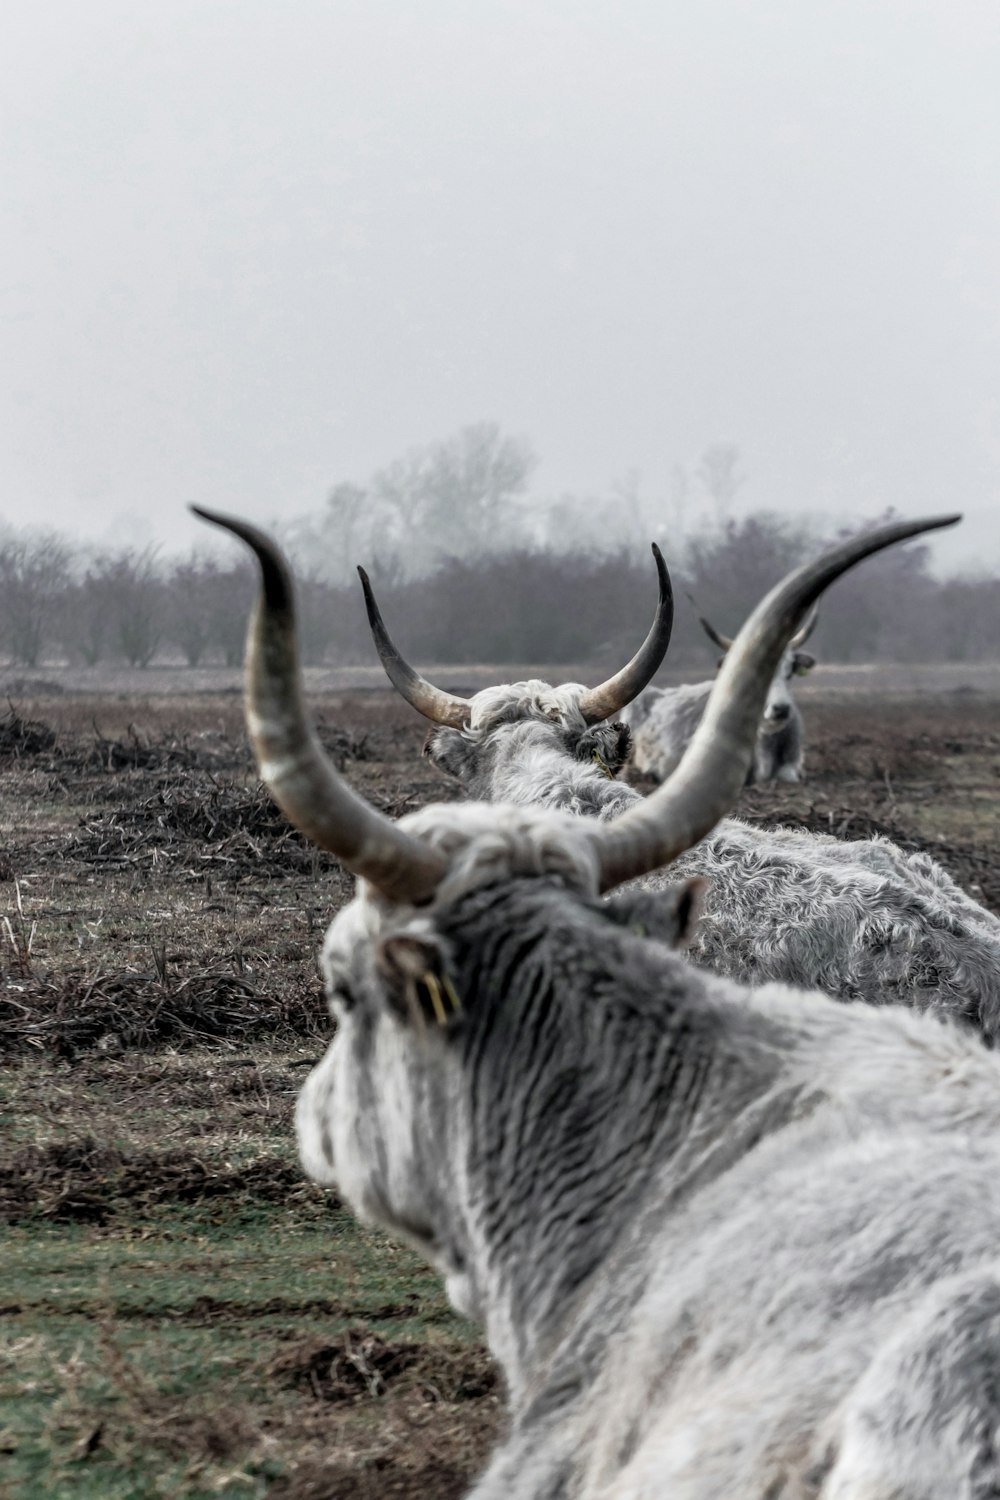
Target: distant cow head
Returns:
[[794, 663]]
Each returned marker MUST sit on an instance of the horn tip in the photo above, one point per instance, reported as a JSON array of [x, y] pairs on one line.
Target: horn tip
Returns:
[[215, 517], [235, 524], [936, 523], [274, 570], [363, 575], [665, 585]]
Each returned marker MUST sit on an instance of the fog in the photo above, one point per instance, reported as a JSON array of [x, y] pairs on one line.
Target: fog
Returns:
[[254, 250]]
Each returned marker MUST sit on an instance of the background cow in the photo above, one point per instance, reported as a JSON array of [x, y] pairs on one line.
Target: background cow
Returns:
[[663, 720], [862, 919]]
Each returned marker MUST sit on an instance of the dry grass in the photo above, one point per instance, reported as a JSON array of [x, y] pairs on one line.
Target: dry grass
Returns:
[[81, 1181], [116, 1012]]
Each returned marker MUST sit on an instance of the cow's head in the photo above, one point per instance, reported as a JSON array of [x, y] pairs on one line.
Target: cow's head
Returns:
[[475, 754], [794, 663], [570, 718]]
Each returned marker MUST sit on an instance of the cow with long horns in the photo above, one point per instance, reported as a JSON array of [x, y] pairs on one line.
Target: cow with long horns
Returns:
[[552, 736], [663, 720], [722, 1241], [861, 920]]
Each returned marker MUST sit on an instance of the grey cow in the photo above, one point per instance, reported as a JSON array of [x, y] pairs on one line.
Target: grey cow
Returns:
[[557, 767], [723, 1242], [860, 920], [529, 741], [663, 720]]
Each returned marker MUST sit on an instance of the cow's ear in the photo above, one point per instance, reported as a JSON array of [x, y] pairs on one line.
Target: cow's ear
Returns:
[[451, 752], [689, 903], [668, 916], [802, 662], [607, 745], [417, 985]]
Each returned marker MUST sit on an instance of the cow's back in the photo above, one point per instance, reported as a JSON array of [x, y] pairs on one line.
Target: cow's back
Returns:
[[662, 721], [877, 1278]]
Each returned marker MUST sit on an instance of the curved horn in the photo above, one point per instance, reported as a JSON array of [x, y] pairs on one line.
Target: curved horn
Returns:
[[601, 702], [803, 635], [722, 641], [435, 704], [293, 764], [711, 772]]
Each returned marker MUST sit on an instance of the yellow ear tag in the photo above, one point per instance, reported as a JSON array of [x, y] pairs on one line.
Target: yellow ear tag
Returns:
[[452, 994], [429, 981], [602, 765]]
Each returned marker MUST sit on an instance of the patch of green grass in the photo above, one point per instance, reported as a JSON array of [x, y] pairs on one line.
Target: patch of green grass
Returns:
[[195, 1262], [142, 1363], [175, 1295]]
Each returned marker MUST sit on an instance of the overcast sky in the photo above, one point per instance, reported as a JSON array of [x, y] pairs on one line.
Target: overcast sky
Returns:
[[256, 247]]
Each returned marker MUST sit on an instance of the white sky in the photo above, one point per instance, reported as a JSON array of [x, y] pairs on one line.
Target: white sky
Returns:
[[255, 247]]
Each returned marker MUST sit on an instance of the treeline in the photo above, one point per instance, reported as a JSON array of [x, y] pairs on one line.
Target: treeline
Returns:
[[516, 604]]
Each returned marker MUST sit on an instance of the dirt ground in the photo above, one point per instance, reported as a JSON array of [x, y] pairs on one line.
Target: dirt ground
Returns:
[[182, 1314]]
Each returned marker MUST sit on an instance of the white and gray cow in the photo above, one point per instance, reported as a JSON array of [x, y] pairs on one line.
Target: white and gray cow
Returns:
[[663, 720], [574, 765], [860, 919], [722, 1241]]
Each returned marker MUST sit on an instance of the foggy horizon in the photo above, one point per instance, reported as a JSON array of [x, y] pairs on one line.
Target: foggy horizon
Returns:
[[255, 253]]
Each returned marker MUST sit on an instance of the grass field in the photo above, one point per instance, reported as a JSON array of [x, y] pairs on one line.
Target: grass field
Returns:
[[183, 1315]]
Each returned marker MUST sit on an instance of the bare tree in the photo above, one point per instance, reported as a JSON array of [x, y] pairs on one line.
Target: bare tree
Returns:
[[34, 579], [135, 604], [576, 523], [474, 481], [459, 497], [230, 593], [189, 607], [966, 618], [331, 544], [87, 615], [728, 571], [887, 611]]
